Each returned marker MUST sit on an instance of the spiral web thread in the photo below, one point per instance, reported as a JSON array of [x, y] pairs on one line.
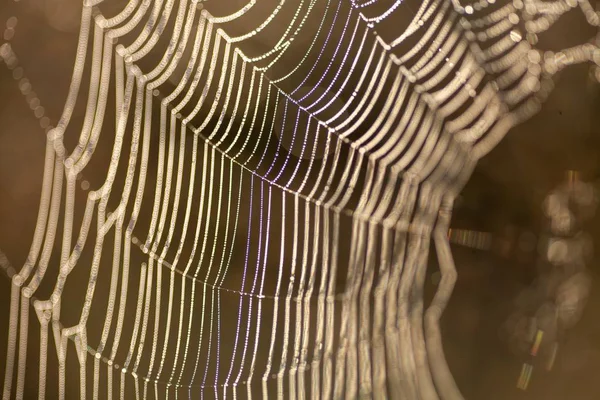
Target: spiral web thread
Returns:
[[228, 206]]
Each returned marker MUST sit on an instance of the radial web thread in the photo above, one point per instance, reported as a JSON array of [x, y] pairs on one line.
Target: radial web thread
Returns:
[[210, 259]]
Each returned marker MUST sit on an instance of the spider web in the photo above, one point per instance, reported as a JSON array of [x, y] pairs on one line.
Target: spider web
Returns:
[[262, 222]]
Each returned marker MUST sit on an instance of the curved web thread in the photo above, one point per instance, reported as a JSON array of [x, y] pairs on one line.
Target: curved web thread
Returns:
[[396, 153]]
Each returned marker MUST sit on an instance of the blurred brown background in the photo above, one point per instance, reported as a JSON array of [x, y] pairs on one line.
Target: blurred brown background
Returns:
[[503, 197]]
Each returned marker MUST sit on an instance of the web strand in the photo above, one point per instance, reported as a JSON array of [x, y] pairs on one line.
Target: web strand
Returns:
[[358, 150]]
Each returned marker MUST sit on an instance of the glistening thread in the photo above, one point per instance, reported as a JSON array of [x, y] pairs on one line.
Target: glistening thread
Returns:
[[403, 134]]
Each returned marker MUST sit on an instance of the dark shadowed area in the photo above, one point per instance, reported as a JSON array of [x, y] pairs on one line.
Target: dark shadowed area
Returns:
[[503, 199]]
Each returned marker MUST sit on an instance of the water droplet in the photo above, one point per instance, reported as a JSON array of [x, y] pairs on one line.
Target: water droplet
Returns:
[[44, 122], [18, 73], [39, 112], [12, 22], [9, 33]]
